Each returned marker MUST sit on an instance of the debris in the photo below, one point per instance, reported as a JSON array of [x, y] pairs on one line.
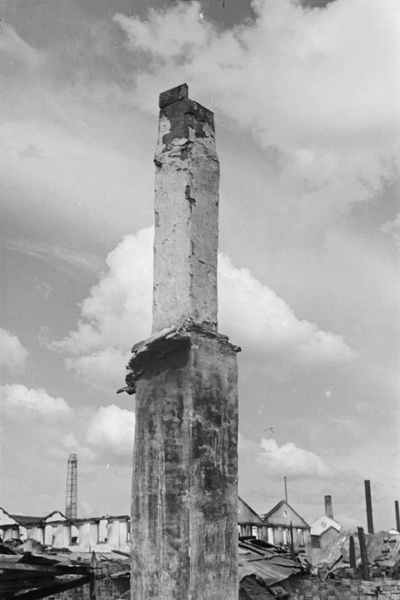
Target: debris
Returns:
[[31, 576]]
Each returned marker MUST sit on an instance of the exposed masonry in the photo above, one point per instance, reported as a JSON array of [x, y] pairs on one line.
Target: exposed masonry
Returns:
[[184, 502], [346, 589], [186, 214], [184, 487], [162, 343]]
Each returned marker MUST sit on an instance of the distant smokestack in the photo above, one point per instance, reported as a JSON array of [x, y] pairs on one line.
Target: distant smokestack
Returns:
[[328, 507], [368, 502], [396, 509], [352, 553], [71, 497]]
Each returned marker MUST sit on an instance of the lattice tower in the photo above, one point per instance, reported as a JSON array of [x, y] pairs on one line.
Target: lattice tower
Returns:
[[71, 498]]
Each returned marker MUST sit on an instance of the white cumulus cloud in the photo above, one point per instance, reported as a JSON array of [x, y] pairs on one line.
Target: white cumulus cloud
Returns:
[[268, 459], [292, 461], [70, 443], [118, 313], [24, 403], [111, 431], [320, 87], [392, 228], [12, 352], [115, 315], [253, 314], [18, 50]]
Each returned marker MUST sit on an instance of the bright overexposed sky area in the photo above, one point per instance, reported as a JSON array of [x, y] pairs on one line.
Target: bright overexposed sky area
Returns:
[[306, 97]]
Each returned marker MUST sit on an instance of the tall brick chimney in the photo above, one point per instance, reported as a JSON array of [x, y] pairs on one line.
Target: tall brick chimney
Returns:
[[184, 490]]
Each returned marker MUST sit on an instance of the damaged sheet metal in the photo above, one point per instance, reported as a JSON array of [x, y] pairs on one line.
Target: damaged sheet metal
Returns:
[[31, 576], [383, 552], [268, 563]]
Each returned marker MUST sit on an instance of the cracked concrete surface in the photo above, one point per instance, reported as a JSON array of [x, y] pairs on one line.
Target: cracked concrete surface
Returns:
[[186, 217]]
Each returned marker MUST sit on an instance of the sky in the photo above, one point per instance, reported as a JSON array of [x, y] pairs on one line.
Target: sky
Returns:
[[306, 103]]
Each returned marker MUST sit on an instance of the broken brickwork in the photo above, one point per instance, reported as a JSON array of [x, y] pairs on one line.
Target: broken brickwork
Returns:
[[346, 589]]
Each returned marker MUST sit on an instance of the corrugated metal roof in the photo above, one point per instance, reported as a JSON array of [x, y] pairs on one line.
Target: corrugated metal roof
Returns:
[[269, 563], [284, 521], [382, 548], [22, 574]]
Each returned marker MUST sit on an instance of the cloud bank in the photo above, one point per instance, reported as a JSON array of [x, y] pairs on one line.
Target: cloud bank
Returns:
[[24, 404], [295, 462], [12, 353], [270, 460], [111, 431], [118, 313], [318, 88], [253, 314]]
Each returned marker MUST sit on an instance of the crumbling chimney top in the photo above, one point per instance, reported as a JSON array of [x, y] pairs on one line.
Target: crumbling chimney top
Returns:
[[186, 214], [173, 95]]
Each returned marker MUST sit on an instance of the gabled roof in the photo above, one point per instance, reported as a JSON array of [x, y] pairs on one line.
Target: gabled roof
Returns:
[[3, 518], [246, 515], [25, 520], [55, 512], [322, 525], [273, 516]]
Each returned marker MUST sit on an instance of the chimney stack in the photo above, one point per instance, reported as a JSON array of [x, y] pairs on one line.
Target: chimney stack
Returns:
[[396, 509], [184, 484], [71, 497], [368, 502], [328, 507]]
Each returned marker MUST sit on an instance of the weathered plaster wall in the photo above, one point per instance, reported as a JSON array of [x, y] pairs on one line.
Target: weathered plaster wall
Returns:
[[186, 214], [184, 497], [83, 535]]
